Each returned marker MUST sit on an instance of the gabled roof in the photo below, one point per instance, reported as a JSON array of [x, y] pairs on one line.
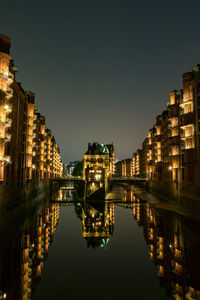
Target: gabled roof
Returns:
[[97, 149]]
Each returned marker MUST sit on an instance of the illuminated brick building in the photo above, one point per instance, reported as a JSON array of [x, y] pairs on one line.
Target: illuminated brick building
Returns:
[[118, 168], [127, 170], [174, 138], [171, 151], [190, 127], [30, 135], [15, 171], [47, 157], [137, 163], [124, 168], [27, 150], [144, 158], [98, 165], [6, 93]]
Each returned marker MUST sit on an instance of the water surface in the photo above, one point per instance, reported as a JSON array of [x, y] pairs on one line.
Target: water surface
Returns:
[[100, 250]]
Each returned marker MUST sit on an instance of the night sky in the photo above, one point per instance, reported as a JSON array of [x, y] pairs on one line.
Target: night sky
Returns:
[[102, 69]]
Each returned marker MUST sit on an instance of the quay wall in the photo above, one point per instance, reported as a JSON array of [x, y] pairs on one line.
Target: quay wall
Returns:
[[11, 196], [187, 195]]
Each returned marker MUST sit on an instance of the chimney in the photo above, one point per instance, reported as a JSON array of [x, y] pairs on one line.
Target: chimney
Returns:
[[5, 43]]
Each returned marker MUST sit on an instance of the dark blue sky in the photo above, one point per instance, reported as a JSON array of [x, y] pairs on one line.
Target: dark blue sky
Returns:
[[102, 69]]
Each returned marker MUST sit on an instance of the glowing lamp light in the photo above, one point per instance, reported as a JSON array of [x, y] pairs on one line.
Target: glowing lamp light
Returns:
[[170, 167], [7, 159], [97, 177]]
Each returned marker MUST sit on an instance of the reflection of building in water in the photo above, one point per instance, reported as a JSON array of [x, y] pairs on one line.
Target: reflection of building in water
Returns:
[[36, 248], [64, 194], [97, 223], [21, 264], [59, 196], [128, 198], [174, 248]]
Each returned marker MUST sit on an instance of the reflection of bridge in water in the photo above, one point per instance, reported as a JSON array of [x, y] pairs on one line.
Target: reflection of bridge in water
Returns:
[[67, 179], [67, 183], [78, 183], [128, 179]]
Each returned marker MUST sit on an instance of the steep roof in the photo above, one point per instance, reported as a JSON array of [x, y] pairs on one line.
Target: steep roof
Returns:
[[97, 149]]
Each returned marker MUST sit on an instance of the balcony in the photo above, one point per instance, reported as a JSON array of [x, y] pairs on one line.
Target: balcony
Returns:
[[174, 153], [11, 75], [173, 134], [7, 75], [186, 135], [187, 119], [30, 123], [9, 92], [5, 158], [177, 268], [6, 137], [3, 122], [30, 115], [4, 72], [173, 140], [7, 107], [29, 143], [177, 255], [10, 78], [186, 99], [29, 153], [8, 122], [173, 122]]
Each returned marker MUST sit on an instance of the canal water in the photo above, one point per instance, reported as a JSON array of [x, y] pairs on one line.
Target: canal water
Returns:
[[122, 248]]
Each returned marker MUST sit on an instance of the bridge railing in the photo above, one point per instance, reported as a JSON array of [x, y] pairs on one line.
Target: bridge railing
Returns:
[[66, 178], [127, 178]]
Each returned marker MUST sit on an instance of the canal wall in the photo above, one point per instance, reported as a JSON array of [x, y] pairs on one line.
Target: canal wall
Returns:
[[187, 195], [12, 196]]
